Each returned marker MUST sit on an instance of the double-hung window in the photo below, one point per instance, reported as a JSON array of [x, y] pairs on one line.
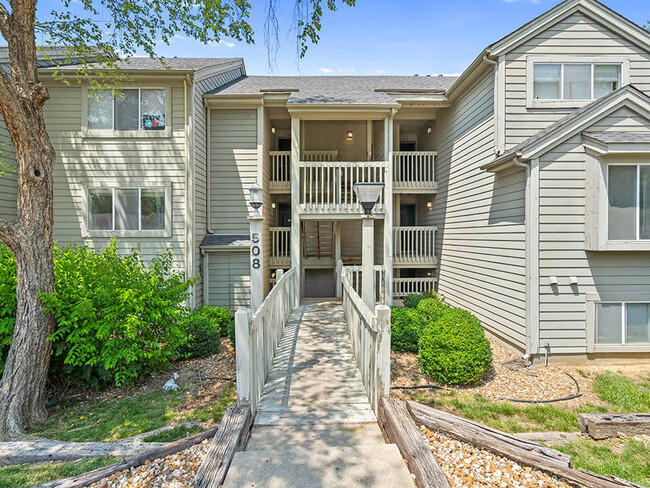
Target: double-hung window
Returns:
[[628, 202], [130, 109], [575, 81], [622, 323], [126, 209]]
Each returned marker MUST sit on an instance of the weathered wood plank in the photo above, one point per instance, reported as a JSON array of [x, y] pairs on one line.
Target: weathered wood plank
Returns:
[[502, 444], [86, 479], [606, 425], [230, 438], [401, 430]]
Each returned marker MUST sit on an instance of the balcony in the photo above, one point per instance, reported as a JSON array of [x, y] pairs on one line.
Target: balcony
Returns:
[[280, 171], [414, 247], [280, 247], [406, 286], [327, 187], [413, 172]]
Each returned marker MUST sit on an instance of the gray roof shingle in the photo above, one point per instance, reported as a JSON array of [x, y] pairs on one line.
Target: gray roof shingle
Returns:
[[337, 89], [226, 240], [171, 64], [620, 137]]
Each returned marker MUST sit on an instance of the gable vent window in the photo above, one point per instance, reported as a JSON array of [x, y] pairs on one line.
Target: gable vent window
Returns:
[[628, 195], [118, 209], [130, 109], [575, 81]]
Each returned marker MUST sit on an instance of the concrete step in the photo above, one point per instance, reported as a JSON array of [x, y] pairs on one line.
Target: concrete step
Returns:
[[341, 414], [369, 466], [314, 436]]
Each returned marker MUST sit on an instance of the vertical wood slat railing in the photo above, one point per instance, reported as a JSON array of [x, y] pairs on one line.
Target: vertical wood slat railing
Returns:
[[328, 187], [280, 169], [414, 245], [406, 286], [370, 336], [414, 169], [258, 334], [319, 156], [354, 274], [280, 246]]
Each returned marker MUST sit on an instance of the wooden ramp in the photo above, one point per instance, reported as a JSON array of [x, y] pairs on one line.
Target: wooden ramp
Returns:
[[314, 427]]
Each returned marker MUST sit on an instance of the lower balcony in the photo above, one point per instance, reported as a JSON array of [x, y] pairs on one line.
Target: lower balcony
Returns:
[[280, 247], [414, 247], [406, 286]]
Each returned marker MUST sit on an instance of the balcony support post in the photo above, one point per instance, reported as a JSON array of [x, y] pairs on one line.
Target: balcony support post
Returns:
[[368, 261], [388, 211], [295, 202]]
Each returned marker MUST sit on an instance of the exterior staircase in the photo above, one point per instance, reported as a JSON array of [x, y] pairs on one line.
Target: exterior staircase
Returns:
[[315, 427], [317, 239]]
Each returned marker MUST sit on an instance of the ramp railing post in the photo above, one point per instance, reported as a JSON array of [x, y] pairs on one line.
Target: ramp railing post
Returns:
[[243, 355], [382, 312]]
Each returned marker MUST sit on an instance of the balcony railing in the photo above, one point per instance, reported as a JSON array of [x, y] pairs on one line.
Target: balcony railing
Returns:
[[414, 245], [328, 187], [280, 246], [406, 286], [353, 274], [413, 171], [280, 170], [316, 156]]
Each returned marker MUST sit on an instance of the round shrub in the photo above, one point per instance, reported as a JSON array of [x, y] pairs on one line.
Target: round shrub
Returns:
[[432, 308], [411, 300], [203, 336], [220, 316], [453, 350], [406, 325]]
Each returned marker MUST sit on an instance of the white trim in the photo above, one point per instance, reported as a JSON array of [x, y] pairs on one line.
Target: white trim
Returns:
[[563, 60], [113, 185], [532, 257], [500, 106], [208, 170]]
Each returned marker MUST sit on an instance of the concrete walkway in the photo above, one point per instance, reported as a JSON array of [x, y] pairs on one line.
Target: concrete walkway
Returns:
[[315, 427]]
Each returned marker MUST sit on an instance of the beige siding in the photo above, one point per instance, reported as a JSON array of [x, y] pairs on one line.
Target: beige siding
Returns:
[[233, 168], [351, 238], [200, 87], [108, 161], [562, 245], [330, 135], [480, 218], [229, 279], [267, 210], [576, 35], [8, 184]]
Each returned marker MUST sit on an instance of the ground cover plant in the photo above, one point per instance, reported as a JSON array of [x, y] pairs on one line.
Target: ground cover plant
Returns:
[[25, 476]]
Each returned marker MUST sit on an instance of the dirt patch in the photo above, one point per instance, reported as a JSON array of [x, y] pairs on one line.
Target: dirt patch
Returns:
[[532, 383]]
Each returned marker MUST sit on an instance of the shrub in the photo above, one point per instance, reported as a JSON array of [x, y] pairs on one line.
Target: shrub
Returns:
[[406, 325], [7, 302], [411, 300], [453, 349], [231, 334], [432, 308], [203, 336], [220, 316]]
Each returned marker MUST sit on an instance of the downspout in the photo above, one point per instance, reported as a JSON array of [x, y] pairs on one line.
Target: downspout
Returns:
[[188, 187], [208, 166], [497, 127]]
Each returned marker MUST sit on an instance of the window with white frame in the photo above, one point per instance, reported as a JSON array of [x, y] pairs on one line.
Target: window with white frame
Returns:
[[118, 209], [622, 323], [628, 202], [575, 81], [130, 109]]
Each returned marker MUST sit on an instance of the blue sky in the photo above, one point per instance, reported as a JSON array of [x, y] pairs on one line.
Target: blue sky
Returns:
[[389, 36]]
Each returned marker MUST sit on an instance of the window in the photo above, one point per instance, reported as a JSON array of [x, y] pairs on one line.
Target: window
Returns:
[[575, 81], [119, 209], [628, 202], [622, 323], [131, 109]]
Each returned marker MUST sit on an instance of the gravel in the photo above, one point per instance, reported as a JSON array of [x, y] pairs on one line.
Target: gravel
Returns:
[[175, 471], [468, 466]]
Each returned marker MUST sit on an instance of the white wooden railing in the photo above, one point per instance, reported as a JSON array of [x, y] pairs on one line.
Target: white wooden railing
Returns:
[[280, 246], [414, 245], [328, 187], [414, 170], [406, 286], [370, 335], [319, 156], [257, 336], [280, 170], [353, 274]]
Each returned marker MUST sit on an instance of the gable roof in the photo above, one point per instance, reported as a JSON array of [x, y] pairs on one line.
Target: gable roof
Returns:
[[619, 137], [162, 64], [336, 90], [576, 121]]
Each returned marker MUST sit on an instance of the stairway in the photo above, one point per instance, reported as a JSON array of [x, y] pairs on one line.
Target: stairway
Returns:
[[314, 427], [317, 239]]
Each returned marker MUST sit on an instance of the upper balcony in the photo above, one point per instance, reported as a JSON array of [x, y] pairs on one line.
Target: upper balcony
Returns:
[[414, 172]]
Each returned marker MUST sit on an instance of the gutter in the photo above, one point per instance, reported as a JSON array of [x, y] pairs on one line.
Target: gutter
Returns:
[[480, 60], [187, 83]]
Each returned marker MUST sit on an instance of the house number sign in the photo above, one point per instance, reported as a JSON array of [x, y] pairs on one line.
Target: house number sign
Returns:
[[255, 251]]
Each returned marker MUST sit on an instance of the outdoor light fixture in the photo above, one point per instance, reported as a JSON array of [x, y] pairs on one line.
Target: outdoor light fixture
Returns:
[[368, 194], [350, 134], [429, 205], [429, 130], [256, 198], [272, 130]]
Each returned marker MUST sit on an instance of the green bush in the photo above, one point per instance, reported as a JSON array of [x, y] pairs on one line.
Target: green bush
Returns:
[[432, 308], [412, 300], [220, 316], [231, 333], [406, 325], [203, 336], [117, 317], [453, 349]]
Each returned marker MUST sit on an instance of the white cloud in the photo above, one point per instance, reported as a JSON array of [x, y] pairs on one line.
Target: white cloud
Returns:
[[346, 70], [380, 72], [227, 44], [324, 70]]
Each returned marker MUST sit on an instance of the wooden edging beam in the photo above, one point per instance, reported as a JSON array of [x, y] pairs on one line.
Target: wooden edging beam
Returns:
[[401, 430], [502, 444]]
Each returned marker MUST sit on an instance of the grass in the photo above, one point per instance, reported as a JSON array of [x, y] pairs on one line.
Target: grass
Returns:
[[125, 417], [629, 459], [623, 392], [35, 474]]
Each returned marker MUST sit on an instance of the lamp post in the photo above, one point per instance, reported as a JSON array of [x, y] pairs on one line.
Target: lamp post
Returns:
[[368, 194], [256, 257]]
